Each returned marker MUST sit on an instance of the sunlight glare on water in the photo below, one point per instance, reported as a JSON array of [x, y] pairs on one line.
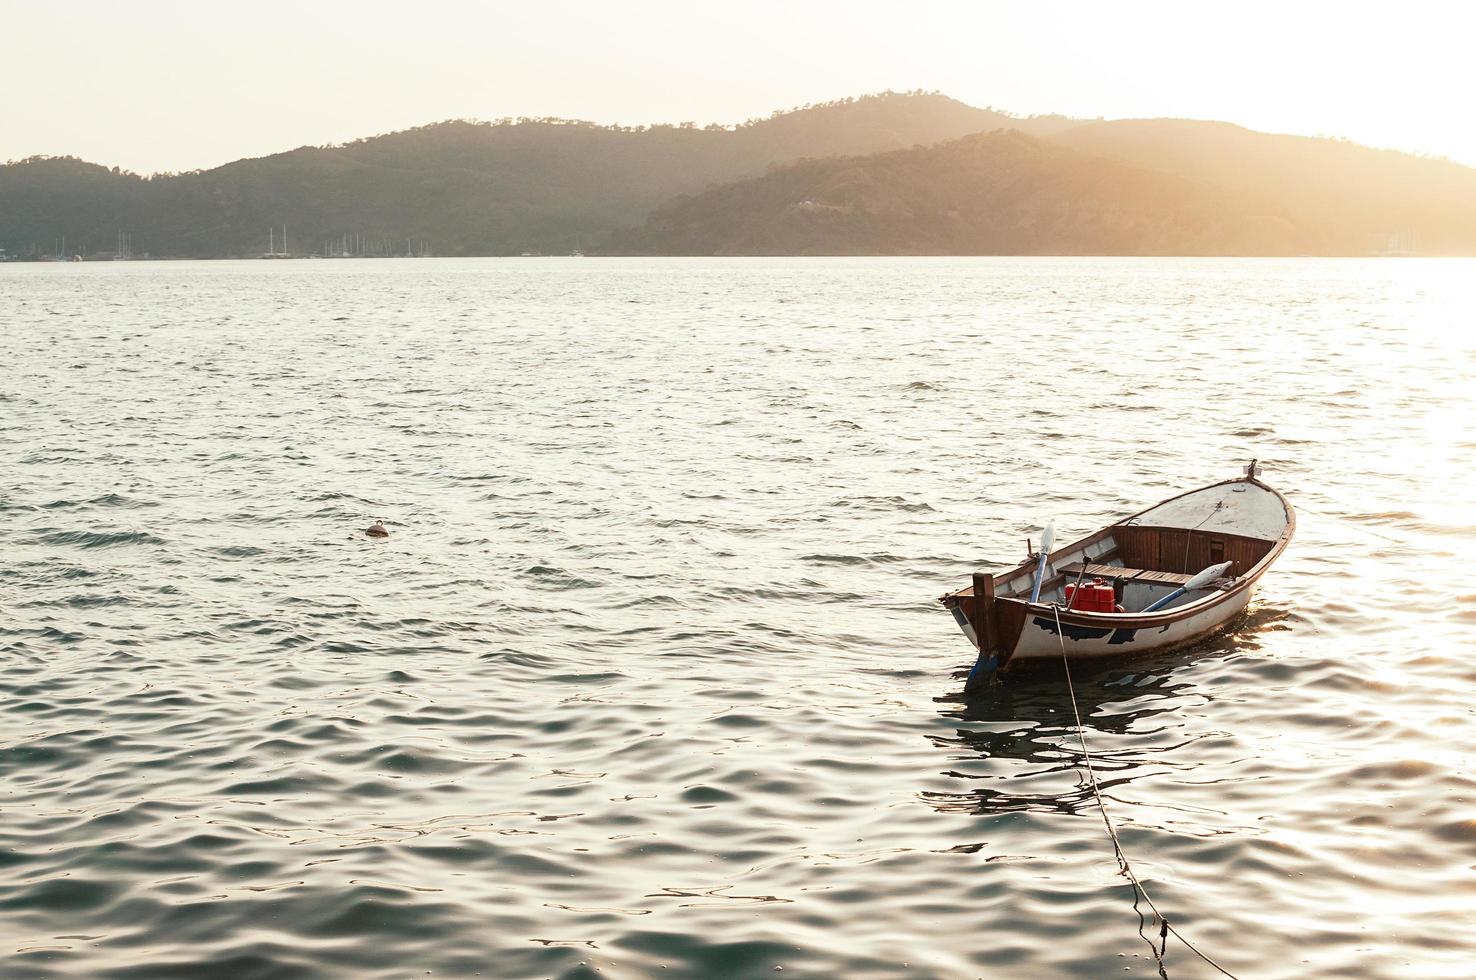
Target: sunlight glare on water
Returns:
[[649, 677]]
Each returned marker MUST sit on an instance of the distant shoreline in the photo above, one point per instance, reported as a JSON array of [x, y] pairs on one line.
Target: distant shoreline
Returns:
[[767, 255]]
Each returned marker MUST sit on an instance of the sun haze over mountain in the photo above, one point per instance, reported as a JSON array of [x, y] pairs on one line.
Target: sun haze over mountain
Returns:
[[173, 123], [173, 86]]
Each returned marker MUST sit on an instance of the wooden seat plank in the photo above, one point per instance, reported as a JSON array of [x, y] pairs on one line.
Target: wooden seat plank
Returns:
[[1116, 571]]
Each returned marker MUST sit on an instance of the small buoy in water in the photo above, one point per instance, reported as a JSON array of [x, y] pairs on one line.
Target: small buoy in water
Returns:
[[377, 530]]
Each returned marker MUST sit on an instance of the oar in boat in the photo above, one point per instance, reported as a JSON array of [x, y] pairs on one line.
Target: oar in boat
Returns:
[[1199, 581], [1047, 538]]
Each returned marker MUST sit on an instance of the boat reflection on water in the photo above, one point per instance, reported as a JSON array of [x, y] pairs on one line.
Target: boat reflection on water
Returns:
[[1026, 733], [1016, 748]]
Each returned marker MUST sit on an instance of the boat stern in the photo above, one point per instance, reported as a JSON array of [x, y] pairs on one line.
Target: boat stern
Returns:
[[991, 623]]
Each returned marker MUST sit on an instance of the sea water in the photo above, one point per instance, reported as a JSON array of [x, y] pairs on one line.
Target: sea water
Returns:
[[649, 678]]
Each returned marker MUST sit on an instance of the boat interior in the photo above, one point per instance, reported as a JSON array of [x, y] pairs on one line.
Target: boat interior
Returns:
[[1157, 552]]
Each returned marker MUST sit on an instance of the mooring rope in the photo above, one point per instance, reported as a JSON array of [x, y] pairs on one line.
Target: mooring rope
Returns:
[[1189, 537], [1124, 866]]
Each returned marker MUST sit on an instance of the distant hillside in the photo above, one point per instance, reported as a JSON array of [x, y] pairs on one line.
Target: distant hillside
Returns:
[[1344, 198], [884, 174], [1129, 187], [463, 188], [37, 195], [993, 193]]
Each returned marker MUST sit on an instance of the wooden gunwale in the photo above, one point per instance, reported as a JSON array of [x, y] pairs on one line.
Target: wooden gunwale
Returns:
[[1000, 578]]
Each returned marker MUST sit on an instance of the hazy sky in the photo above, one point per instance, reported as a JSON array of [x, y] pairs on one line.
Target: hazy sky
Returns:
[[177, 85]]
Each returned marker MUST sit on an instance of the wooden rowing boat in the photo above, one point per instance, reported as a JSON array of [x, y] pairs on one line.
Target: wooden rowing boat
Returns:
[[1146, 558]]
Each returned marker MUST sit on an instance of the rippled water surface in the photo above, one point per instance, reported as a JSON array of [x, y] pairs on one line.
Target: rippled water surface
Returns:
[[649, 679]]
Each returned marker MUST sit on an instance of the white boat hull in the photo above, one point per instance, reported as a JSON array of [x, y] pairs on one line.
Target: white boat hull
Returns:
[[1101, 636]]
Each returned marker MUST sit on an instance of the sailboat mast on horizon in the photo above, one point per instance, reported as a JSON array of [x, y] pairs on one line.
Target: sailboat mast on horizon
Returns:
[[271, 252]]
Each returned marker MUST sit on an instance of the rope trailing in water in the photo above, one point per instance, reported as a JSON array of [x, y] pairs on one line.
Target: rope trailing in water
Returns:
[[1124, 866]]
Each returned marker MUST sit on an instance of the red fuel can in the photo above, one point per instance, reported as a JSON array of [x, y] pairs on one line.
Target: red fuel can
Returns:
[[1093, 596]]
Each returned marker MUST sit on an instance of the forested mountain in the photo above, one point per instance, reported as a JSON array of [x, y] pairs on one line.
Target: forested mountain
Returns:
[[886, 174], [1134, 187], [1343, 198], [463, 188], [991, 193]]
